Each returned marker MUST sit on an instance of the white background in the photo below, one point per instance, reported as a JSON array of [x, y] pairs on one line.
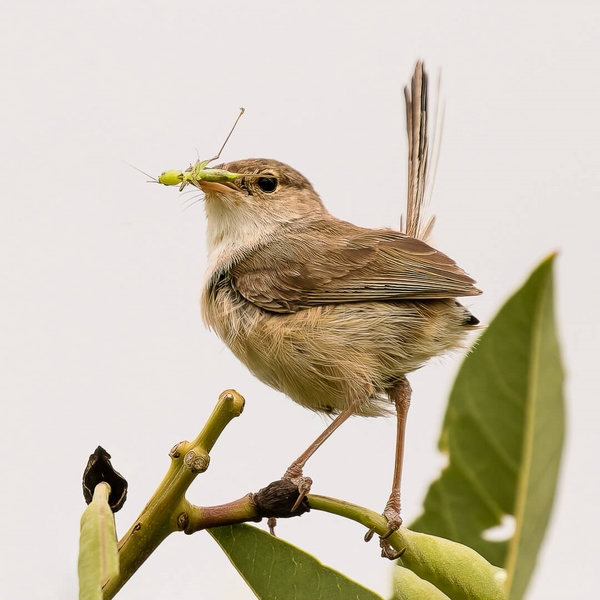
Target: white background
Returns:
[[101, 340]]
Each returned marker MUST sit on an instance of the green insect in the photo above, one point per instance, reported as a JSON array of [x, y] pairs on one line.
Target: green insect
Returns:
[[198, 171]]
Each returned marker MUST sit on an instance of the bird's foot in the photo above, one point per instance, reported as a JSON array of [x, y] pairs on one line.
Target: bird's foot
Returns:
[[392, 514], [388, 551], [295, 475]]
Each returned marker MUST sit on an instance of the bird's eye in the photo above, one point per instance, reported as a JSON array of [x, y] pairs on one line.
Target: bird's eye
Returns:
[[267, 184]]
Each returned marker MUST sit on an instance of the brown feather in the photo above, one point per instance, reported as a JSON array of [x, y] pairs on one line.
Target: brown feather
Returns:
[[350, 264]]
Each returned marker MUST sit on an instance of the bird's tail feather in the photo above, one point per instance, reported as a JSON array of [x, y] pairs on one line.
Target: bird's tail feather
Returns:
[[421, 164]]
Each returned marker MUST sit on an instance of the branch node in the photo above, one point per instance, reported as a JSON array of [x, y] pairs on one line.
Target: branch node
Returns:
[[175, 451], [182, 520], [197, 463], [278, 499]]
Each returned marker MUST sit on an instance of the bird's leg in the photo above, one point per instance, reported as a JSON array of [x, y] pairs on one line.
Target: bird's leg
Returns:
[[400, 394], [294, 472]]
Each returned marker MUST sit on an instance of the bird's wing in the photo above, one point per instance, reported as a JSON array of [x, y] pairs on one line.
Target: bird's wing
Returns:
[[333, 262]]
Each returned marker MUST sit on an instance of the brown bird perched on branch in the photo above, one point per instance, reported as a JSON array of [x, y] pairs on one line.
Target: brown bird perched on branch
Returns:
[[331, 314]]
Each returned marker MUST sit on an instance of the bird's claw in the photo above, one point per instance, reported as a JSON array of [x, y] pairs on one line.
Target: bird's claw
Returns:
[[294, 474], [394, 521], [304, 484], [387, 551]]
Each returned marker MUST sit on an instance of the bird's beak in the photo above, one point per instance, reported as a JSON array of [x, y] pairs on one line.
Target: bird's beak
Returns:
[[212, 186]]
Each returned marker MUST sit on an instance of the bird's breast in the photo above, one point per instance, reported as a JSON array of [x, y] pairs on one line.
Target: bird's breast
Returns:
[[325, 356]]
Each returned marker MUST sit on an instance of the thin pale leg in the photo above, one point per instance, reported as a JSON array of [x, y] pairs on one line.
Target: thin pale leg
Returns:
[[400, 395], [294, 472]]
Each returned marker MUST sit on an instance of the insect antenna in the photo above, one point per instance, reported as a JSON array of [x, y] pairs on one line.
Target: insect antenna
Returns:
[[152, 179], [242, 111]]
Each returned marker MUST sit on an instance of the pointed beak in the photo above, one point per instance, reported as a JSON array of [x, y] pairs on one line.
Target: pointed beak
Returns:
[[212, 186]]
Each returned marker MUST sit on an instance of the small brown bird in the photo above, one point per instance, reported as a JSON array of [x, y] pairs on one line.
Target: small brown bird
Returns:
[[331, 314]]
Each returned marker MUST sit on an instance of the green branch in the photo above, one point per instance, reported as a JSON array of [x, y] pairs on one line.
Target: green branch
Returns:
[[456, 570], [166, 510], [453, 568]]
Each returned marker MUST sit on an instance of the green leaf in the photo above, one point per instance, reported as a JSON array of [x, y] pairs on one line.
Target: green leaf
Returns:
[[276, 570], [98, 555], [503, 434]]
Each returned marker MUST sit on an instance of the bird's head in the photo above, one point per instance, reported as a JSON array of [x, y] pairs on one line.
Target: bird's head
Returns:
[[267, 195]]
